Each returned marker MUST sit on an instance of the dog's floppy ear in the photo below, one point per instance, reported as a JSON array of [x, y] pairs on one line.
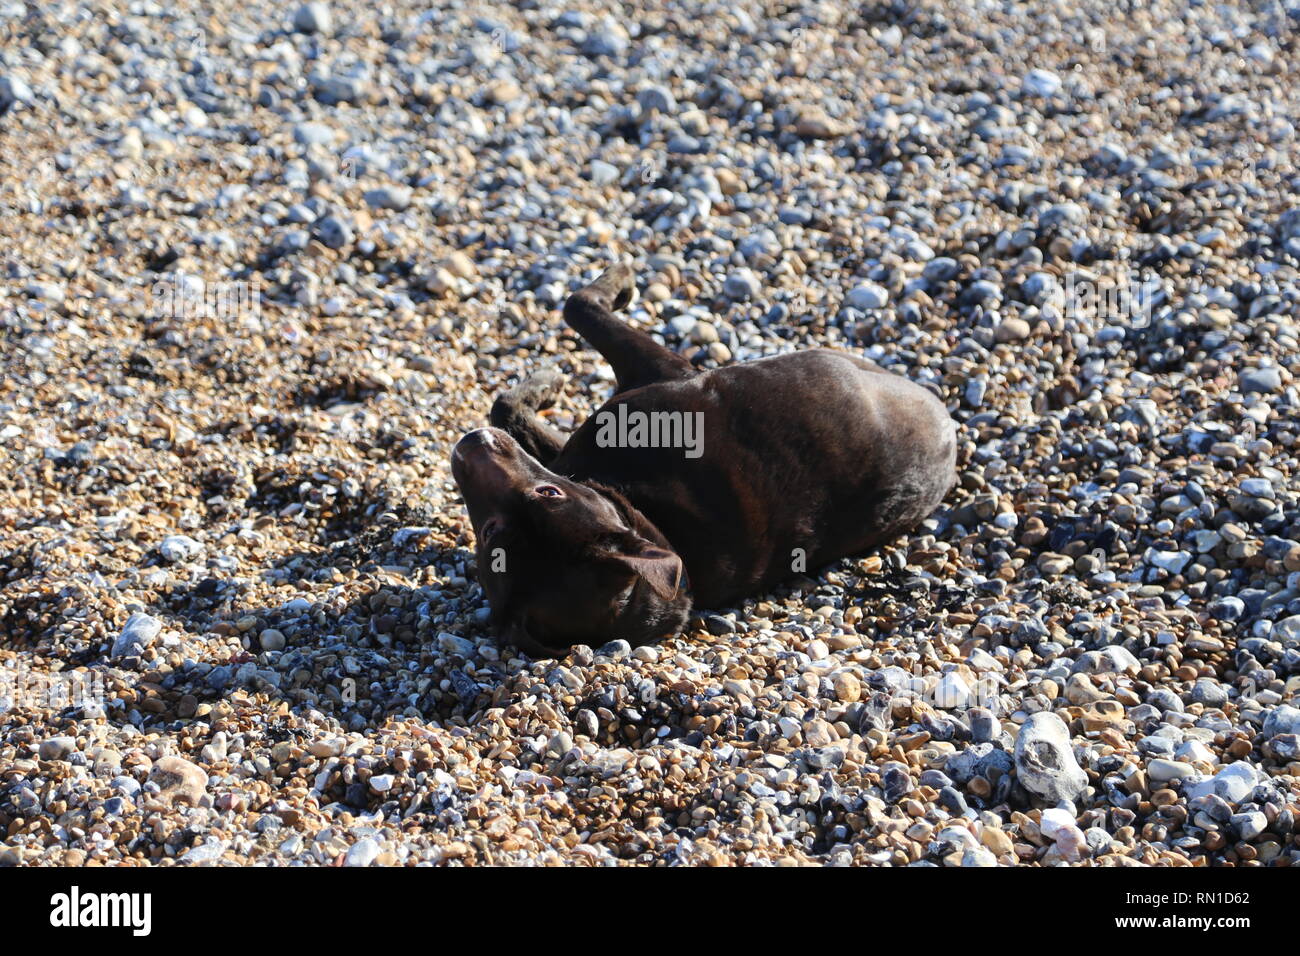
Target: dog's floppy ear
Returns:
[[658, 567]]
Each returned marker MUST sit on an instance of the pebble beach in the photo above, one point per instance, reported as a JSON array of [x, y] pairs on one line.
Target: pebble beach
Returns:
[[261, 265]]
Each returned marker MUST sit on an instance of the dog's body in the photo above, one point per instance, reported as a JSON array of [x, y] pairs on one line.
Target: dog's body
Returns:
[[802, 459]]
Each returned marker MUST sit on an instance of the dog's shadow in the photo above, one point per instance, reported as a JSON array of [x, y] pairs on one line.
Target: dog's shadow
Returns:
[[403, 646]]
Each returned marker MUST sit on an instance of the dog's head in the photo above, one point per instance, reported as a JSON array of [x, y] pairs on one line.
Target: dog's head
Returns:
[[563, 562]]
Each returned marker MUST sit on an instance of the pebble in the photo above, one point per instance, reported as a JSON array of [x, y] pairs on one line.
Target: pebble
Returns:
[[1012, 329], [14, 91], [847, 687], [396, 198], [177, 548], [1041, 83], [1260, 380], [179, 780], [272, 640], [742, 284], [1282, 719], [1232, 784], [867, 296], [138, 633], [1044, 760], [1165, 770], [362, 853], [57, 748], [313, 18]]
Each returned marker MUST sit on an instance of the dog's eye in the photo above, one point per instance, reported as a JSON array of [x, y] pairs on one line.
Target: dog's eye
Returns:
[[549, 491], [490, 528]]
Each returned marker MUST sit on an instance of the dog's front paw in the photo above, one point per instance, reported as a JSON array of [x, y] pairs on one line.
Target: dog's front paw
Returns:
[[614, 288], [541, 389]]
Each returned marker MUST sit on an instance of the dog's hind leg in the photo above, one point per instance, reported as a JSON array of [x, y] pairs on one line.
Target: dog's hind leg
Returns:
[[515, 412], [637, 358]]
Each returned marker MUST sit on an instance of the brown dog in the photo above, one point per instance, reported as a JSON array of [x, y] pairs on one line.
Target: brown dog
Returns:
[[688, 486]]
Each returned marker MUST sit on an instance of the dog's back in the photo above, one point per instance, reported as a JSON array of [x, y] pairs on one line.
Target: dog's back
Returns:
[[800, 459]]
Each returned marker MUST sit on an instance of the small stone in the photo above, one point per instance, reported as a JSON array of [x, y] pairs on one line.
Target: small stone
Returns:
[[1258, 488], [984, 724], [334, 232], [998, 841], [607, 39], [1042, 83], [455, 644], [179, 547], [615, 649], [272, 639], [1012, 329], [313, 18], [815, 123], [326, 747], [313, 134], [951, 692], [1232, 784], [14, 90], [602, 173], [57, 748], [657, 99], [867, 296], [138, 633], [704, 333], [207, 852], [978, 856], [1250, 825], [460, 265], [1054, 820], [1054, 565], [362, 853], [742, 284], [1209, 692], [395, 198], [1110, 660]]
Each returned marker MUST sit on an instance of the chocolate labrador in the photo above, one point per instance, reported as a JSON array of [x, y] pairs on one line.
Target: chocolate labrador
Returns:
[[688, 486]]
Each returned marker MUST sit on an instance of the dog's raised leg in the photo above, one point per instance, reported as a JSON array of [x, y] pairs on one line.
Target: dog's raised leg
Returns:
[[637, 359], [515, 412]]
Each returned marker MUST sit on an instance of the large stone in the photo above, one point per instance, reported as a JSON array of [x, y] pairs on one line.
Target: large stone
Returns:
[[1232, 784], [178, 780], [1045, 763], [1109, 660], [1282, 719]]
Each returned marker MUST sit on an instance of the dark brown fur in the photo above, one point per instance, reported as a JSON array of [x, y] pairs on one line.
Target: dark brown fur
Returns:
[[807, 458]]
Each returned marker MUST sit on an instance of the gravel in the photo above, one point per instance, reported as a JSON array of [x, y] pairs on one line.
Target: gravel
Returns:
[[265, 263]]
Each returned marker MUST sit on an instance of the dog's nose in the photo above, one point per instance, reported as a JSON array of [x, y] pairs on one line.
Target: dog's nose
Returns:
[[478, 438]]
